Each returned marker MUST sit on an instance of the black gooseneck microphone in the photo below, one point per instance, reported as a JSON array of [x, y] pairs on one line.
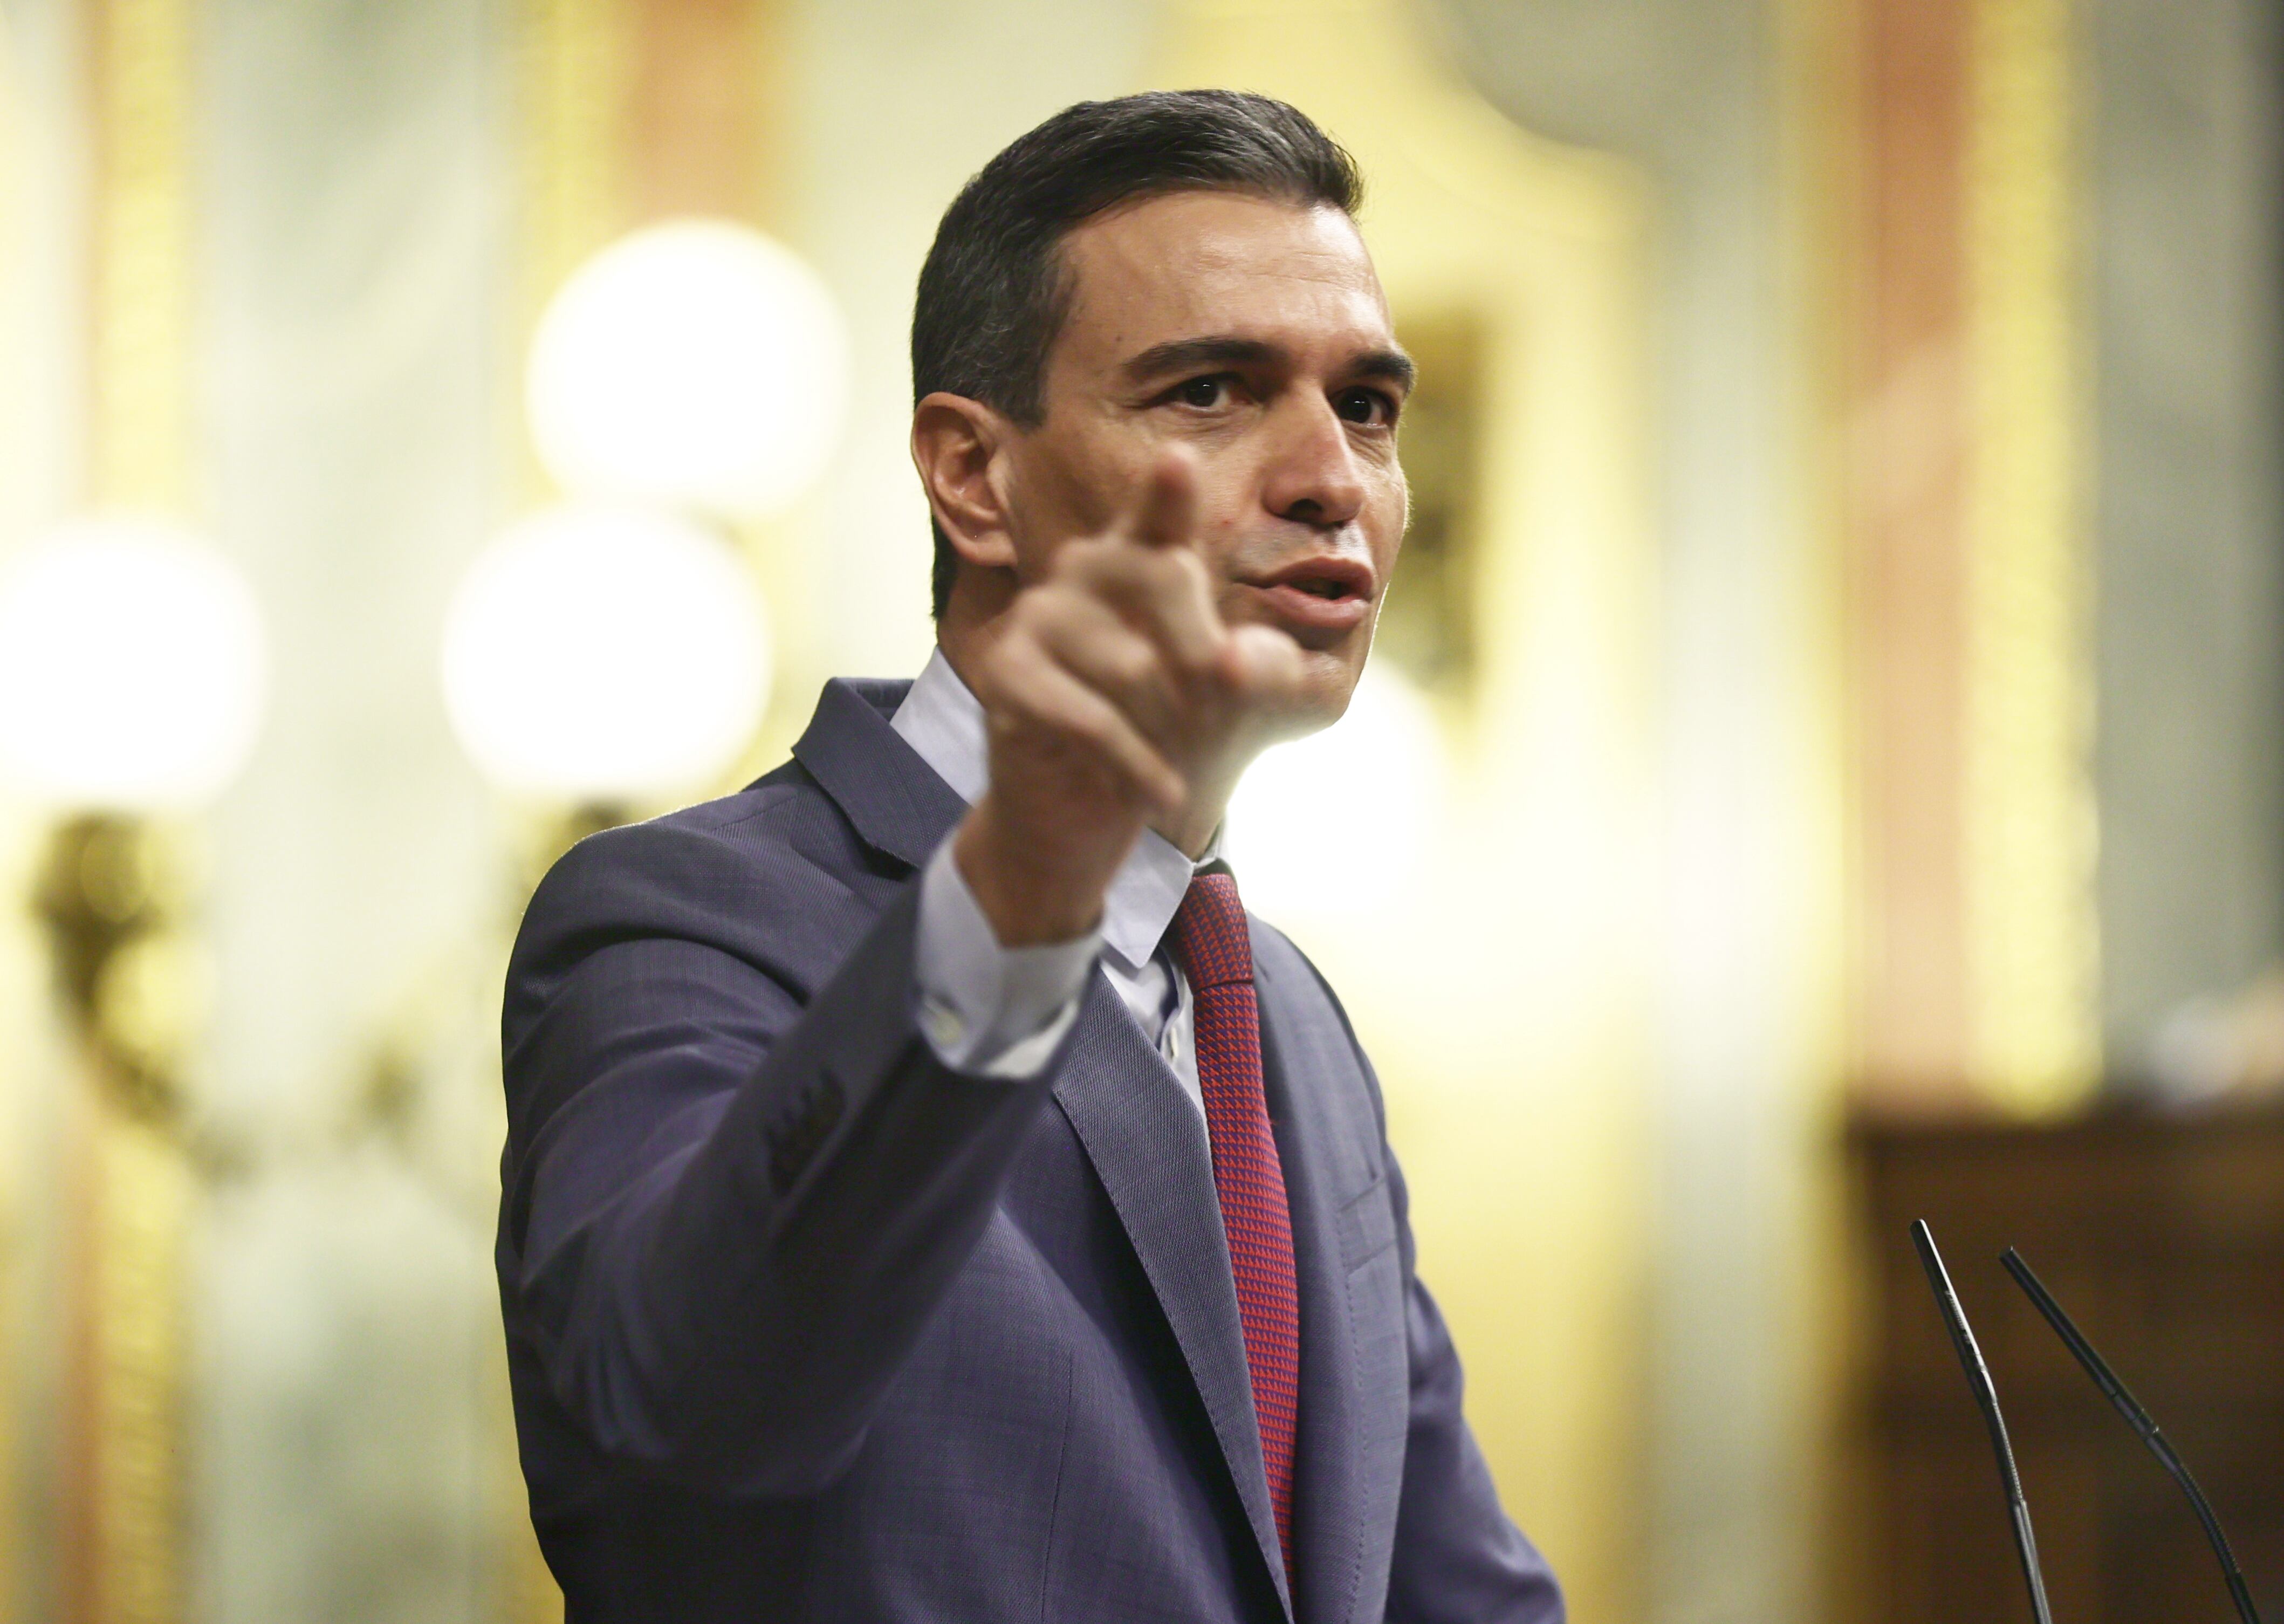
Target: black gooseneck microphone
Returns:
[[2139, 1420], [1978, 1378]]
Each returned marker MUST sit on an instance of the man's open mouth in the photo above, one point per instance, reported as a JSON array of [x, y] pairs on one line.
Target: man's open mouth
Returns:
[[1326, 595], [1330, 577]]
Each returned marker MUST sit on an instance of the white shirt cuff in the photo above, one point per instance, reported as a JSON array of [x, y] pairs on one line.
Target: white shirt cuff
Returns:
[[986, 1010]]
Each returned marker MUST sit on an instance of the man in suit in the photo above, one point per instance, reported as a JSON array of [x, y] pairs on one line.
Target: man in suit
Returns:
[[928, 1195]]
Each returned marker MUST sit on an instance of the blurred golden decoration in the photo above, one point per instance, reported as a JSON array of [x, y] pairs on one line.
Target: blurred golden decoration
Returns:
[[112, 895], [636, 110], [130, 980], [1427, 623], [1961, 466], [1505, 991], [707, 109], [141, 1189], [2032, 929], [575, 82], [140, 454], [1896, 69]]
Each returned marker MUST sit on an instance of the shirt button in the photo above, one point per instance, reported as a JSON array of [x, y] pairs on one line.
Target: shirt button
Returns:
[[941, 1023]]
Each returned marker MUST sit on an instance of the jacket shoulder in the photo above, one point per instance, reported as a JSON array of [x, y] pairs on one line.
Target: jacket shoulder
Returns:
[[759, 874]]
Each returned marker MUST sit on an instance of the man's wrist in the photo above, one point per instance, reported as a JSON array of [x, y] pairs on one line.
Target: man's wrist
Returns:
[[988, 1010], [1032, 893]]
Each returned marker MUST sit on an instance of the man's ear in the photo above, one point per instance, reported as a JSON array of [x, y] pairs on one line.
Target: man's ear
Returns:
[[957, 446]]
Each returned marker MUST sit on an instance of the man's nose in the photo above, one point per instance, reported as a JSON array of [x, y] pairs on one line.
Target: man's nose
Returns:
[[1313, 475]]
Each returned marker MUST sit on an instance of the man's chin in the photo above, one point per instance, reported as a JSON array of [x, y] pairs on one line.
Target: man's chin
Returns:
[[1328, 679]]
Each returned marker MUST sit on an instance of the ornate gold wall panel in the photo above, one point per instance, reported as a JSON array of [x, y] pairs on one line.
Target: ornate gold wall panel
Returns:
[[704, 132], [1901, 446], [140, 1203], [2032, 934], [124, 1423], [574, 89], [1962, 453], [124, 1433], [141, 211]]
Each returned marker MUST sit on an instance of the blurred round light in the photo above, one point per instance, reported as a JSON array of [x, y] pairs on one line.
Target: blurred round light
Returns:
[[131, 667], [695, 362], [1332, 825], [598, 653]]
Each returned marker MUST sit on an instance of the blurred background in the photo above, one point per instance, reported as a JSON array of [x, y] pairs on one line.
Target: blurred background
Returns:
[[1824, 763]]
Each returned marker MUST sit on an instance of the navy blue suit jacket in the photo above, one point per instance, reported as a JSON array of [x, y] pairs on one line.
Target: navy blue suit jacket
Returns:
[[803, 1324]]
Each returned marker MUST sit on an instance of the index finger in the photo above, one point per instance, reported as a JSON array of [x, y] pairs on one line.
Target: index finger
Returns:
[[1165, 511]]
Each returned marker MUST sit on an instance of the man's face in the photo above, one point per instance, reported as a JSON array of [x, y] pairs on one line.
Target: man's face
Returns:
[[1255, 335]]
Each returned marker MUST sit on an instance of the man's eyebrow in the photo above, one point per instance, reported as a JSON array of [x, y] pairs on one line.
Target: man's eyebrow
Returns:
[[1392, 365], [1184, 354]]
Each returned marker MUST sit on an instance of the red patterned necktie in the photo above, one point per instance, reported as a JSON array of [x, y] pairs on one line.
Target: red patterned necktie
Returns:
[[1210, 944]]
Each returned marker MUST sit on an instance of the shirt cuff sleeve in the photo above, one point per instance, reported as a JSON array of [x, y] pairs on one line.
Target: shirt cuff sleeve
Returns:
[[986, 1010]]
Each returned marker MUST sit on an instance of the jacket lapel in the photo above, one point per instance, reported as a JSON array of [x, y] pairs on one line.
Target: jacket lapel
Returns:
[[1149, 1146], [1355, 1393], [897, 803]]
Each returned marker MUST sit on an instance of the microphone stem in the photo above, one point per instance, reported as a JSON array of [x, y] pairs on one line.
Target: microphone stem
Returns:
[[2026, 1544]]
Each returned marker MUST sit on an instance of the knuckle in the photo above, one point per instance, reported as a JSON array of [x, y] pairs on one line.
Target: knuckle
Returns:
[[1200, 658], [1131, 662]]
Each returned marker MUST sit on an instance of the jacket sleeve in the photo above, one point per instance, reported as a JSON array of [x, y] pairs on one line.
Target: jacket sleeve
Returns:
[[1458, 1558], [737, 1179]]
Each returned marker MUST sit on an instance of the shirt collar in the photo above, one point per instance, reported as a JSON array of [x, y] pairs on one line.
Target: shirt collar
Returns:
[[944, 723]]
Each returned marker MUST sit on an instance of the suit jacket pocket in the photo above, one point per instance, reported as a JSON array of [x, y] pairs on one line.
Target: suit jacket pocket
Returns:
[[1367, 1226]]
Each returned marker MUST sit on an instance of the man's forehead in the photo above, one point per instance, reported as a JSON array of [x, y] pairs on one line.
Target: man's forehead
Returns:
[[1223, 259]]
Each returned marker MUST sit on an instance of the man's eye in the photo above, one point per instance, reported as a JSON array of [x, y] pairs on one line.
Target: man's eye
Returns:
[[1368, 406], [1203, 393]]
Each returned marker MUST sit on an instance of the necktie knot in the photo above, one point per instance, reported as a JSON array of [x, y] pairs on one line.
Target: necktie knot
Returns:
[[1210, 941]]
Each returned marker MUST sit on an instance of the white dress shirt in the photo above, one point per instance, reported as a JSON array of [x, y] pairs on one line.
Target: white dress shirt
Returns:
[[1001, 1011]]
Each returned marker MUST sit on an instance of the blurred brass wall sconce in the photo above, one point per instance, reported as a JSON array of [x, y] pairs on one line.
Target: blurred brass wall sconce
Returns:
[[132, 668], [114, 895]]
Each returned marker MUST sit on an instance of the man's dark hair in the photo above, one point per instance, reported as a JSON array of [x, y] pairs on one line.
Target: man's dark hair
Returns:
[[993, 293]]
